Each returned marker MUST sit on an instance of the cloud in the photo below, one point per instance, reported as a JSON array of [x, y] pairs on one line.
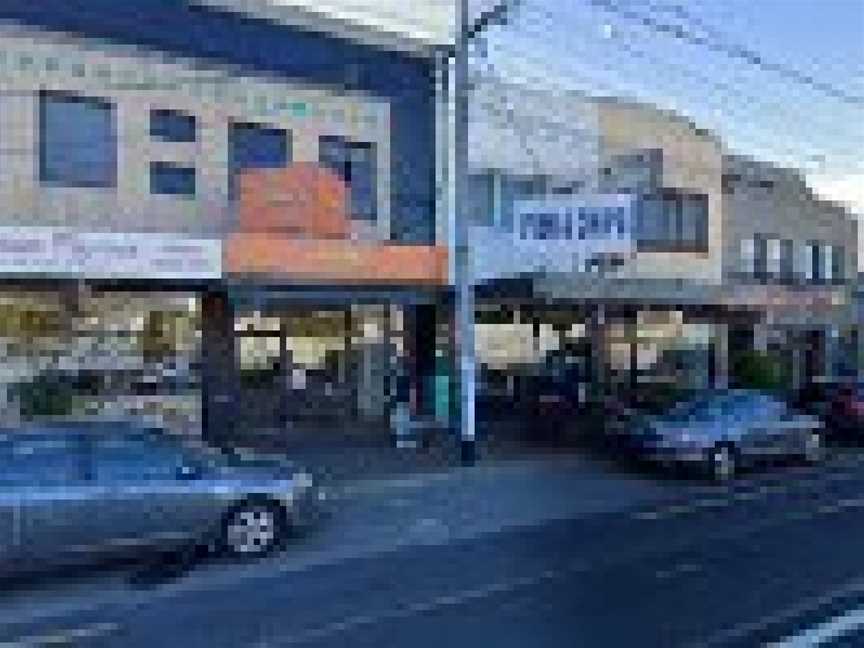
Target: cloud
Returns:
[[847, 189]]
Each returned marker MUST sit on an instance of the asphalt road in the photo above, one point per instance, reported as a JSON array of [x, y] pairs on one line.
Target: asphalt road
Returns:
[[744, 567]]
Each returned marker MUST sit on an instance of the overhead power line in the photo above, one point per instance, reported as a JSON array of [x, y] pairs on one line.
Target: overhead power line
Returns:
[[537, 23], [716, 43]]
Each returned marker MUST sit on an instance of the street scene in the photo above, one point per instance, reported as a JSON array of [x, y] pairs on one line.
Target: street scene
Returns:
[[447, 323]]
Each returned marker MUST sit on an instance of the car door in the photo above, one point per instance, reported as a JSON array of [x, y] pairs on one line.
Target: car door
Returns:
[[10, 511], [152, 492], [56, 503], [779, 431]]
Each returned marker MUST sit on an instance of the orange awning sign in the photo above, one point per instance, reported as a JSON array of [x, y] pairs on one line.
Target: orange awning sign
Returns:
[[294, 224]]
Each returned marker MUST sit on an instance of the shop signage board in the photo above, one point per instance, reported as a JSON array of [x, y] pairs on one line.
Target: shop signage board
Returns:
[[554, 235], [65, 252]]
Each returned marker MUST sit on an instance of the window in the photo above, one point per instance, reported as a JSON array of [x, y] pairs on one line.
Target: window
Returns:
[[672, 221], [255, 146], [827, 262], [137, 458], [803, 262], [356, 164], [838, 263], [748, 257], [481, 198], [172, 125], [772, 257], [77, 141], [171, 179], [787, 260], [693, 221]]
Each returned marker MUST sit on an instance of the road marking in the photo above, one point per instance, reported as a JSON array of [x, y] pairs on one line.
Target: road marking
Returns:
[[62, 637], [748, 629], [833, 628], [414, 609]]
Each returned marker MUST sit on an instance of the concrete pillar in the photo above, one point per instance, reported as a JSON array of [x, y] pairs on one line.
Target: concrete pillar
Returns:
[[596, 334], [760, 337], [832, 349], [219, 372], [859, 345], [721, 356]]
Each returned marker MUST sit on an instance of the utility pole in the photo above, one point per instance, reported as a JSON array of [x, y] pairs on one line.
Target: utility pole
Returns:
[[466, 32]]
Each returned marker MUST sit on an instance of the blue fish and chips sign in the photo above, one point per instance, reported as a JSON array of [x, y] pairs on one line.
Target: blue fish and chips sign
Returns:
[[555, 235]]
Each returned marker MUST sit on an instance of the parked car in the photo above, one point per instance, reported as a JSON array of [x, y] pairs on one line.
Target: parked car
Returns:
[[78, 492], [845, 411], [721, 430]]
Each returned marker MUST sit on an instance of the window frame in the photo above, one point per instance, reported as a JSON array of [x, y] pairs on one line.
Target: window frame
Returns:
[[344, 168], [175, 115], [50, 177], [234, 171], [165, 165]]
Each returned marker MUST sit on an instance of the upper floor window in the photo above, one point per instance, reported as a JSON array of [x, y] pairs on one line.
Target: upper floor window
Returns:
[[671, 220], [77, 141], [838, 263], [172, 125], [481, 198], [356, 164], [171, 179], [255, 146]]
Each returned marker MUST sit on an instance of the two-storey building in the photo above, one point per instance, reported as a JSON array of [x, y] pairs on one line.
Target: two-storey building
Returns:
[[239, 193], [617, 234]]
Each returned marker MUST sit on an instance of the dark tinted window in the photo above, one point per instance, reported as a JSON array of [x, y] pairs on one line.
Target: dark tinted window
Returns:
[[172, 125], [172, 179], [672, 220], [77, 141], [137, 457], [41, 459], [355, 163], [255, 146]]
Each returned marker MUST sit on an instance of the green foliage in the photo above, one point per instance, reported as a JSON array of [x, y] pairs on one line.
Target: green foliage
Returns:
[[764, 371], [45, 396]]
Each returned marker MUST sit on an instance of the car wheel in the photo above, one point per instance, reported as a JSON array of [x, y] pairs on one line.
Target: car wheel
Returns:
[[723, 463], [253, 528], [814, 447]]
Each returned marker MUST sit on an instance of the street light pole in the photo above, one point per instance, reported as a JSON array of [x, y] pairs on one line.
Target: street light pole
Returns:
[[464, 298]]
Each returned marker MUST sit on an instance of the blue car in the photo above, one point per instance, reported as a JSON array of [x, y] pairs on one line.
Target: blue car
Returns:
[[77, 493]]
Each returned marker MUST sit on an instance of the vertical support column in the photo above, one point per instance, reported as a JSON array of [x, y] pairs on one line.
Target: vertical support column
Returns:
[[596, 336], [760, 337], [464, 289], [832, 348], [859, 349], [721, 355], [219, 367]]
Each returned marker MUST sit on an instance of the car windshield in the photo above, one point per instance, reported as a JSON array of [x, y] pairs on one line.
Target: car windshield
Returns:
[[723, 404]]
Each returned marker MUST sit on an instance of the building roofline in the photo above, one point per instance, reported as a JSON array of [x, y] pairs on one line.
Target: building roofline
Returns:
[[376, 28], [664, 113]]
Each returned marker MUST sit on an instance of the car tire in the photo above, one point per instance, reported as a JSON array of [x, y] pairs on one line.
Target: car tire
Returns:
[[253, 528], [723, 463], [814, 447]]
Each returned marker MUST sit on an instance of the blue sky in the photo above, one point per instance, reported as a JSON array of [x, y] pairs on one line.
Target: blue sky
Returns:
[[572, 43]]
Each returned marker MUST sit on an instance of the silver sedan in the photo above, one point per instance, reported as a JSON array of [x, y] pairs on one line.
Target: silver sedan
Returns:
[[723, 429], [76, 493]]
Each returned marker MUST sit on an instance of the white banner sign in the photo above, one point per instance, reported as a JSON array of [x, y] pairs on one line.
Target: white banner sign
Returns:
[[555, 235], [107, 255]]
